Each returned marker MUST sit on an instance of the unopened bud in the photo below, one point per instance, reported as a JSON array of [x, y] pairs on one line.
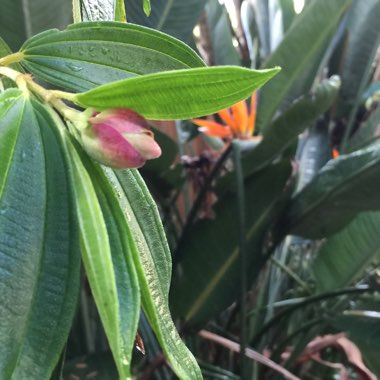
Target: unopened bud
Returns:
[[119, 138]]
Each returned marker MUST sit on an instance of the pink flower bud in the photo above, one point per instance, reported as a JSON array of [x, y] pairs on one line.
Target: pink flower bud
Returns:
[[119, 138]]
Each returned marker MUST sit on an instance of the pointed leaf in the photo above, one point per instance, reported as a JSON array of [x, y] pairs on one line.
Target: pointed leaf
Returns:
[[312, 29], [105, 250], [344, 187], [39, 244], [89, 54], [153, 264], [181, 94], [345, 256]]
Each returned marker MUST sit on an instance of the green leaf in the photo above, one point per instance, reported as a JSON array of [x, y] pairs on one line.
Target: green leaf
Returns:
[[21, 19], [102, 10], [176, 18], [343, 188], [180, 94], [345, 256], [146, 5], [367, 133], [39, 243], [363, 41], [153, 264], [285, 129], [207, 280], [222, 50], [106, 248], [309, 32], [89, 54]]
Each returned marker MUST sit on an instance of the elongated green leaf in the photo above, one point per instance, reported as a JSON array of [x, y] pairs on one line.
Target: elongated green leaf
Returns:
[[286, 128], [89, 54], [153, 264], [39, 243], [180, 94], [345, 256], [309, 32], [104, 253], [344, 187], [146, 6], [363, 41], [176, 18], [208, 275], [21, 19]]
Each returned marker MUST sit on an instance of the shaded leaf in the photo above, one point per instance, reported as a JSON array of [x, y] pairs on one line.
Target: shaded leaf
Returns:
[[363, 40], [345, 256], [223, 51], [89, 54], [21, 19], [285, 129], [176, 18], [207, 280], [344, 187], [153, 264], [309, 32], [180, 94], [39, 243], [368, 132]]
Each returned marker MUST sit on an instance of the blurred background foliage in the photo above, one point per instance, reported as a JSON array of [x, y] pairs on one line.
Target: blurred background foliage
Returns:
[[275, 239]]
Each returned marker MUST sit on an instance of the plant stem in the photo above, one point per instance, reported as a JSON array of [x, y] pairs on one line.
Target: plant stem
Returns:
[[11, 58], [291, 274], [243, 253]]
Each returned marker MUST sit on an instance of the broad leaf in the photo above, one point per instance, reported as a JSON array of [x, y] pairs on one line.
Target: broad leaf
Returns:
[[21, 19], [105, 247], [345, 256], [344, 187], [153, 264], [309, 32], [39, 243], [180, 94], [102, 10], [89, 54], [207, 279], [176, 18]]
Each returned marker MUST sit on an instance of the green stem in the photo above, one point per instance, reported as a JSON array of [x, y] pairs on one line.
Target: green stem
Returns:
[[291, 274], [11, 58], [243, 253]]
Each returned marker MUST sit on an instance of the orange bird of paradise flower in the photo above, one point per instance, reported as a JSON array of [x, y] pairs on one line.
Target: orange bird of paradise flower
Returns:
[[239, 122]]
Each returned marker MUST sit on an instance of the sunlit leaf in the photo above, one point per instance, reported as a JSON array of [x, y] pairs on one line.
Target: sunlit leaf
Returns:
[[180, 94]]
